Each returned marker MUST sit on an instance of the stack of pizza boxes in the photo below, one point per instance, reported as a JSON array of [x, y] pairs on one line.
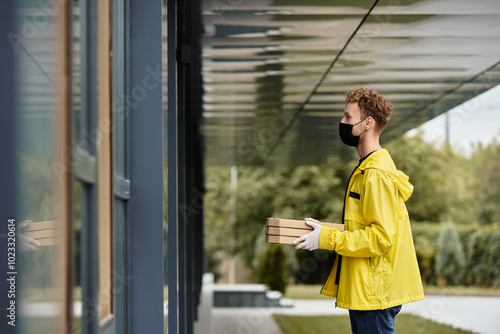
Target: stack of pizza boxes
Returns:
[[285, 231]]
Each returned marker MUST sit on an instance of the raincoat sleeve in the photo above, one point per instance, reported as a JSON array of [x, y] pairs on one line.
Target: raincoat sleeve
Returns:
[[377, 217]]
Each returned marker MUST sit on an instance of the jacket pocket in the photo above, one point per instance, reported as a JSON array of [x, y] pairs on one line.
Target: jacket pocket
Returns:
[[354, 195]]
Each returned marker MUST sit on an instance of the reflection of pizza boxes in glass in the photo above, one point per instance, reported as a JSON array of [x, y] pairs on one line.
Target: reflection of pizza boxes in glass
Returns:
[[285, 231]]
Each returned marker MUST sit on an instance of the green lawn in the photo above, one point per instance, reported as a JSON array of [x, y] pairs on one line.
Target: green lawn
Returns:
[[304, 292], [44, 325], [461, 290], [405, 324], [313, 291]]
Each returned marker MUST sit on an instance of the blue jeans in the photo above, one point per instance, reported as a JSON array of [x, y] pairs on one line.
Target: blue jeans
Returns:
[[374, 322]]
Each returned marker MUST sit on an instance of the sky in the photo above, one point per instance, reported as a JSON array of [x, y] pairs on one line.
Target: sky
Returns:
[[476, 120]]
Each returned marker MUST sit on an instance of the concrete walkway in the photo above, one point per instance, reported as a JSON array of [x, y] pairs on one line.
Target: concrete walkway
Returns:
[[473, 313], [227, 320], [476, 314]]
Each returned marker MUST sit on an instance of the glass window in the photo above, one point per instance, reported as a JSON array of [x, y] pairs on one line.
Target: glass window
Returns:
[[43, 216]]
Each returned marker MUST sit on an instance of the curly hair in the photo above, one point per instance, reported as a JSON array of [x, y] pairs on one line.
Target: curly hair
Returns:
[[371, 103]]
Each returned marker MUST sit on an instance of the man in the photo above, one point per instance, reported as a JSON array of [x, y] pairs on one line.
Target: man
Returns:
[[375, 270]]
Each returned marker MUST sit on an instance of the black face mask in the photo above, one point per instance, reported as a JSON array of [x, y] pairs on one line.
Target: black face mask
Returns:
[[345, 132]]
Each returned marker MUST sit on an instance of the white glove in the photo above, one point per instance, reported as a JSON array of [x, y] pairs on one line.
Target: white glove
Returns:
[[310, 240]]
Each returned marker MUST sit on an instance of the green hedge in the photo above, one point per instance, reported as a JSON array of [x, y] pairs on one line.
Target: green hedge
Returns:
[[481, 245]]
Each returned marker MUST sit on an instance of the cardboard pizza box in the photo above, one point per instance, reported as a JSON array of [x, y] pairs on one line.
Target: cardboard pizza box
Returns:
[[299, 224], [285, 231], [292, 232], [280, 239]]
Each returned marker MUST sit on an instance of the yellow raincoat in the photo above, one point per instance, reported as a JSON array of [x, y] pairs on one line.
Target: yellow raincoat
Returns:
[[378, 263]]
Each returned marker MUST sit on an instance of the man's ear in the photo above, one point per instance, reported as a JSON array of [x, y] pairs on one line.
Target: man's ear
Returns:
[[369, 123]]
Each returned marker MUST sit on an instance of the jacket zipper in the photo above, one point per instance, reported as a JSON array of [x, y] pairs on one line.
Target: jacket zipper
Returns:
[[337, 275]]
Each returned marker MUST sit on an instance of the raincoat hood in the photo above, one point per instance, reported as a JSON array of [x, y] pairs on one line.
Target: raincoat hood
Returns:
[[381, 160]]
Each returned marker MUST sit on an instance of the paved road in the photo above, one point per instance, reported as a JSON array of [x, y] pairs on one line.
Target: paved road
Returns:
[[476, 314]]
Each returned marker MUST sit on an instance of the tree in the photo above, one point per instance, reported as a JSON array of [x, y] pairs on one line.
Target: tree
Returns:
[[442, 179], [272, 268], [218, 227], [450, 258], [487, 183]]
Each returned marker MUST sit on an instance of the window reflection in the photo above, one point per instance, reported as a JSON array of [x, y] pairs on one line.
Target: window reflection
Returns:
[[39, 216]]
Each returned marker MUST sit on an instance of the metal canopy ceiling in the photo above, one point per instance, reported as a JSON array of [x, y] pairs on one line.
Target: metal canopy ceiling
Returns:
[[276, 73]]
